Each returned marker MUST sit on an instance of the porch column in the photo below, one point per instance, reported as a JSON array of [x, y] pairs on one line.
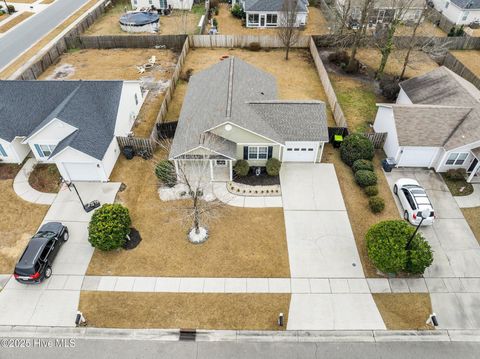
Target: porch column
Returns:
[[175, 162], [211, 170], [474, 172], [230, 169]]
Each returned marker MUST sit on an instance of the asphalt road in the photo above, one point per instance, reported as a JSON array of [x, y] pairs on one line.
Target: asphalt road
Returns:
[[21, 38], [119, 349]]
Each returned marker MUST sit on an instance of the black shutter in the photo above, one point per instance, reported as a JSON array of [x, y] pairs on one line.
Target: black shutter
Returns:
[[245, 152], [270, 151]]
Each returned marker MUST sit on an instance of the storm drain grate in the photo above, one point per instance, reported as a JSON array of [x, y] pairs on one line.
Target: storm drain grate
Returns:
[[188, 334]]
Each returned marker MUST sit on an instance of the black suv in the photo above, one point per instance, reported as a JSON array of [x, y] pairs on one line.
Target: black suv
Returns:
[[35, 264]]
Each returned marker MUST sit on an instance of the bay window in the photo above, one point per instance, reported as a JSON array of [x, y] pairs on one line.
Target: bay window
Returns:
[[456, 158]]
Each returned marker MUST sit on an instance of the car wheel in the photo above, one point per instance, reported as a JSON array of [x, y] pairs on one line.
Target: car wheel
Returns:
[[66, 235], [405, 215], [395, 189], [48, 272]]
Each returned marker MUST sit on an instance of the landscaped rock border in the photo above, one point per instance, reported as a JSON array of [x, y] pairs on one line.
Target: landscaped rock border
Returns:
[[240, 189]]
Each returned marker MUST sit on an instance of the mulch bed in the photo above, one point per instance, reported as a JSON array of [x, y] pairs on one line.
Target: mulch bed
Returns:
[[45, 178], [252, 180], [134, 241], [9, 171]]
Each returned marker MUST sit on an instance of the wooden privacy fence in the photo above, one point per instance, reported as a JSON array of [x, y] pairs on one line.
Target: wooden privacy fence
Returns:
[[327, 86], [174, 42], [242, 41], [138, 144], [377, 138], [166, 129], [459, 68]]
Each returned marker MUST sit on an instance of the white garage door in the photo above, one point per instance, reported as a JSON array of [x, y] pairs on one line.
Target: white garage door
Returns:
[[300, 151], [82, 171], [417, 156]]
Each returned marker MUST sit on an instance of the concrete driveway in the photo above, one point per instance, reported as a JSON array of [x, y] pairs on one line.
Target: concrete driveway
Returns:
[[55, 301], [321, 245]]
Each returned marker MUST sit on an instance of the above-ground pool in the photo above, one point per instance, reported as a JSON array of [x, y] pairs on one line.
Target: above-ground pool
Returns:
[[139, 22]]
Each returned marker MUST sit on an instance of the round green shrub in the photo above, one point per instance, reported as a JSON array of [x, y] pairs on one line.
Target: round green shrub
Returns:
[[386, 248], [376, 203], [273, 167], [371, 190], [362, 165], [241, 168], [365, 178], [109, 227], [356, 147], [165, 172]]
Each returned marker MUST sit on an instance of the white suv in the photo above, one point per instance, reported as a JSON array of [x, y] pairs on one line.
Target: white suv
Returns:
[[414, 200]]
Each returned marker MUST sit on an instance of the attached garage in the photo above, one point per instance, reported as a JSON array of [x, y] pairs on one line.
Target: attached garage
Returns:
[[300, 151], [83, 171], [417, 156]]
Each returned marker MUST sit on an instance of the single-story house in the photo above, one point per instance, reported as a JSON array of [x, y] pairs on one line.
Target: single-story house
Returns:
[[72, 124], [162, 4], [460, 12], [270, 13], [231, 112], [383, 10], [435, 123]]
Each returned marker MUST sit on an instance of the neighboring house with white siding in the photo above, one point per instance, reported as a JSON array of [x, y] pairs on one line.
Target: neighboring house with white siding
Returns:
[[435, 123], [72, 124], [162, 4], [231, 112], [460, 12]]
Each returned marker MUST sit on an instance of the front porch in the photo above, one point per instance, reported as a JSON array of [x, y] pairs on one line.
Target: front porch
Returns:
[[474, 168], [214, 170]]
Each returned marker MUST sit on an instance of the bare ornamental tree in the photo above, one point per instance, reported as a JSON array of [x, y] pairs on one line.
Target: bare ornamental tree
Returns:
[[289, 31], [359, 34]]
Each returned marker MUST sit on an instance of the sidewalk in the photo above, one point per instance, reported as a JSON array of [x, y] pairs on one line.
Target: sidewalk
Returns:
[[23, 189], [470, 201]]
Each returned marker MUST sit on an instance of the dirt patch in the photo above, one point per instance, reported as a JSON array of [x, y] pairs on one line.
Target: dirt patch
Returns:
[[18, 222], [458, 187], [230, 25], [426, 28], [419, 64], [243, 242], [15, 21], [120, 64], [178, 22], [470, 58], [9, 170], [361, 218], [297, 78], [45, 178], [404, 311], [184, 310], [472, 215]]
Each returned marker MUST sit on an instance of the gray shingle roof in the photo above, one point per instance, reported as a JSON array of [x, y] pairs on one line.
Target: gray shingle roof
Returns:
[[271, 5], [442, 87], [90, 106], [226, 91], [467, 4]]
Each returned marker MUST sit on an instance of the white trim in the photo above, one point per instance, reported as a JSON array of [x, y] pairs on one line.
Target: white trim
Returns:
[[230, 167], [211, 170], [202, 147], [245, 129]]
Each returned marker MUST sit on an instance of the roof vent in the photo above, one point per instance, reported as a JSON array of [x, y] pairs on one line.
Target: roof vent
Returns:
[[261, 93]]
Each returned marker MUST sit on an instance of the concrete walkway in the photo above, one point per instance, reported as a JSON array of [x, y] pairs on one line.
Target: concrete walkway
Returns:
[[470, 201], [23, 189], [54, 302], [220, 191]]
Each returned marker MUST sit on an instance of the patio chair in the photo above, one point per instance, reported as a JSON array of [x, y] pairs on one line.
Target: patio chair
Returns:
[[153, 60], [140, 69]]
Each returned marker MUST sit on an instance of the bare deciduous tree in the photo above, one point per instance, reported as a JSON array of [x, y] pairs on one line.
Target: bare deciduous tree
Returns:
[[352, 65], [289, 31], [343, 15]]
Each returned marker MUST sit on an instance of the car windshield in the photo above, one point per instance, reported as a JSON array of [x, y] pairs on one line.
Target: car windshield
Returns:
[[418, 191], [47, 234]]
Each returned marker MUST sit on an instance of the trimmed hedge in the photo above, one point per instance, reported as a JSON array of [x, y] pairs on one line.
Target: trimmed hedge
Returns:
[[371, 190], [386, 248], [456, 174], [241, 168], [273, 166], [376, 203], [365, 178], [356, 147], [362, 165], [109, 227], [165, 172]]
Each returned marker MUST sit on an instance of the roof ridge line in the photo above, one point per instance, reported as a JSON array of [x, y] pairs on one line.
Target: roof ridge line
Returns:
[[230, 88], [457, 126]]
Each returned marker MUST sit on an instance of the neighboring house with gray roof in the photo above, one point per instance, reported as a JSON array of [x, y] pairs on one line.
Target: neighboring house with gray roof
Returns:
[[231, 112], [72, 124], [460, 12], [435, 123], [270, 13]]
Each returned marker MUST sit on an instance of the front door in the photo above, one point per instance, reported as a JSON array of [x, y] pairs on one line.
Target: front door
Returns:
[[262, 20], [472, 165]]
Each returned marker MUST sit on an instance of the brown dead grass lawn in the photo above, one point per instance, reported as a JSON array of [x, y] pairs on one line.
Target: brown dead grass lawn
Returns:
[[230, 25], [470, 58], [361, 218], [404, 311], [18, 222], [34, 50], [420, 63], [23, 1], [472, 215], [426, 28], [46, 2], [45, 178], [297, 78], [184, 310], [243, 242], [4, 17], [17, 20]]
